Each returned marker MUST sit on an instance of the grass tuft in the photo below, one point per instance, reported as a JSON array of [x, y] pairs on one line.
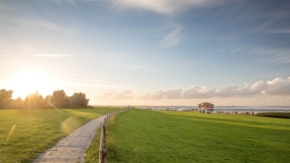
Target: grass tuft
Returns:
[[112, 147]]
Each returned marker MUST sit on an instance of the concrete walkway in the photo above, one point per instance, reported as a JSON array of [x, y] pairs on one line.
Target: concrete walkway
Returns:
[[72, 149]]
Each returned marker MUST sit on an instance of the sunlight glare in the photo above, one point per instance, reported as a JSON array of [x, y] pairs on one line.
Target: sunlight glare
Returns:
[[11, 132], [28, 81]]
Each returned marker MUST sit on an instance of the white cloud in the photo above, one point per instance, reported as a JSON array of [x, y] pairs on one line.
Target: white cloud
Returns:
[[106, 96], [167, 94], [275, 87], [173, 38], [277, 56], [266, 55], [21, 22], [132, 66], [278, 86], [158, 6], [165, 6], [198, 92], [271, 18], [126, 95], [256, 88], [60, 2], [282, 31], [228, 91]]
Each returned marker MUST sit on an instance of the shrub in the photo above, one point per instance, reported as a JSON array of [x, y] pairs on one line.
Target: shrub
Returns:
[[285, 115]]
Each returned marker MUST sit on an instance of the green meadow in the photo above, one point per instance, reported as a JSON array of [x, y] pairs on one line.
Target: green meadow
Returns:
[[168, 136], [26, 133]]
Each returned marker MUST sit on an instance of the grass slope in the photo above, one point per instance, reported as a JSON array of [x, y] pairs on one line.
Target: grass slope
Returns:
[[151, 136], [25, 133]]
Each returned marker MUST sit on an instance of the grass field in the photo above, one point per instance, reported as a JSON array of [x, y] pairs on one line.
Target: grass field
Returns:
[[156, 136], [25, 133]]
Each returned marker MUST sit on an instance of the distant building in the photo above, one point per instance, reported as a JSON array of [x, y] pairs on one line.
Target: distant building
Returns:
[[206, 106]]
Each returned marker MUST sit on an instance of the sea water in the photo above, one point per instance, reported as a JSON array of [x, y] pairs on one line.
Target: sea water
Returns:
[[255, 109]]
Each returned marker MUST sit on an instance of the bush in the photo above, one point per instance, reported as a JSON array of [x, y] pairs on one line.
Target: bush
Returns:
[[285, 115]]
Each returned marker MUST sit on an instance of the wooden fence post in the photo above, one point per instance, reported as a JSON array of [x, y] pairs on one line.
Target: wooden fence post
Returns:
[[103, 151], [101, 146]]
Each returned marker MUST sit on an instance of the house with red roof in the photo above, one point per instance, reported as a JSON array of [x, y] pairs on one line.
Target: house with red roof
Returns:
[[206, 106]]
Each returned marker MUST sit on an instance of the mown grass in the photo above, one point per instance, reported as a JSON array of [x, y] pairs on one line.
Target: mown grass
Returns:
[[26, 133], [152, 136]]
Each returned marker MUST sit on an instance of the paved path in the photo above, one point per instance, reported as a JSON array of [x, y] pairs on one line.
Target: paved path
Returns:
[[72, 148]]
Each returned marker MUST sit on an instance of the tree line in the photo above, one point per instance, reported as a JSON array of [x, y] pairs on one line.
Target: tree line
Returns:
[[58, 99]]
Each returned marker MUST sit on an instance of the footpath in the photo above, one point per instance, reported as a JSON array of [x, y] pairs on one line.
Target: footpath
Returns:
[[72, 149]]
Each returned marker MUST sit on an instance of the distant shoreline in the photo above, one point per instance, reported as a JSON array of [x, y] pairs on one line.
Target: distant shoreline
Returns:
[[224, 108]]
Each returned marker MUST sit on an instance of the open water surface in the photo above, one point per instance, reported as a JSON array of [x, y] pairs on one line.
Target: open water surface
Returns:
[[255, 109]]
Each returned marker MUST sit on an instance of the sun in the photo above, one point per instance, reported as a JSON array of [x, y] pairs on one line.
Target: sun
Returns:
[[28, 81]]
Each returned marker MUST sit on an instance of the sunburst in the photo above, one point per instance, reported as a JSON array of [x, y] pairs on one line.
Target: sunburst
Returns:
[[29, 80]]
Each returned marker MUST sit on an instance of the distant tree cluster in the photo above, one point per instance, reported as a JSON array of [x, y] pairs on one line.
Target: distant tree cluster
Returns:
[[58, 99]]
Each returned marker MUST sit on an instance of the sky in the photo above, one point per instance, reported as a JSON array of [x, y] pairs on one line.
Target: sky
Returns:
[[148, 52]]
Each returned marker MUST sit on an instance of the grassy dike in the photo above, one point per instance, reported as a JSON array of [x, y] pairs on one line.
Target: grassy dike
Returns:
[[25, 133], [167, 136]]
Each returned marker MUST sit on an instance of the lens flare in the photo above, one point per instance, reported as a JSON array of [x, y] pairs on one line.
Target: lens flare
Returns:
[[11, 132], [70, 124]]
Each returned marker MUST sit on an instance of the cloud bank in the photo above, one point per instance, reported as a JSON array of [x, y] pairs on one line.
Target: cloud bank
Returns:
[[126, 95], [275, 87], [167, 94]]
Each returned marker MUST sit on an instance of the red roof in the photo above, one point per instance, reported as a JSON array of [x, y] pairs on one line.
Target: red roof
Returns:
[[206, 103]]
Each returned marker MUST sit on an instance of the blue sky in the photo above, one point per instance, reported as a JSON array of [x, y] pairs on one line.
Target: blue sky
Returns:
[[146, 52]]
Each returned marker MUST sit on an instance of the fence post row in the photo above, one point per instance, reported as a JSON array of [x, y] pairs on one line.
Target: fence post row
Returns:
[[103, 151]]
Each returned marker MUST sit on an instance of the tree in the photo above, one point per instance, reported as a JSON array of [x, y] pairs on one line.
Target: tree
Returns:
[[47, 98], [5, 98], [78, 100], [35, 101], [17, 104], [59, 99]]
